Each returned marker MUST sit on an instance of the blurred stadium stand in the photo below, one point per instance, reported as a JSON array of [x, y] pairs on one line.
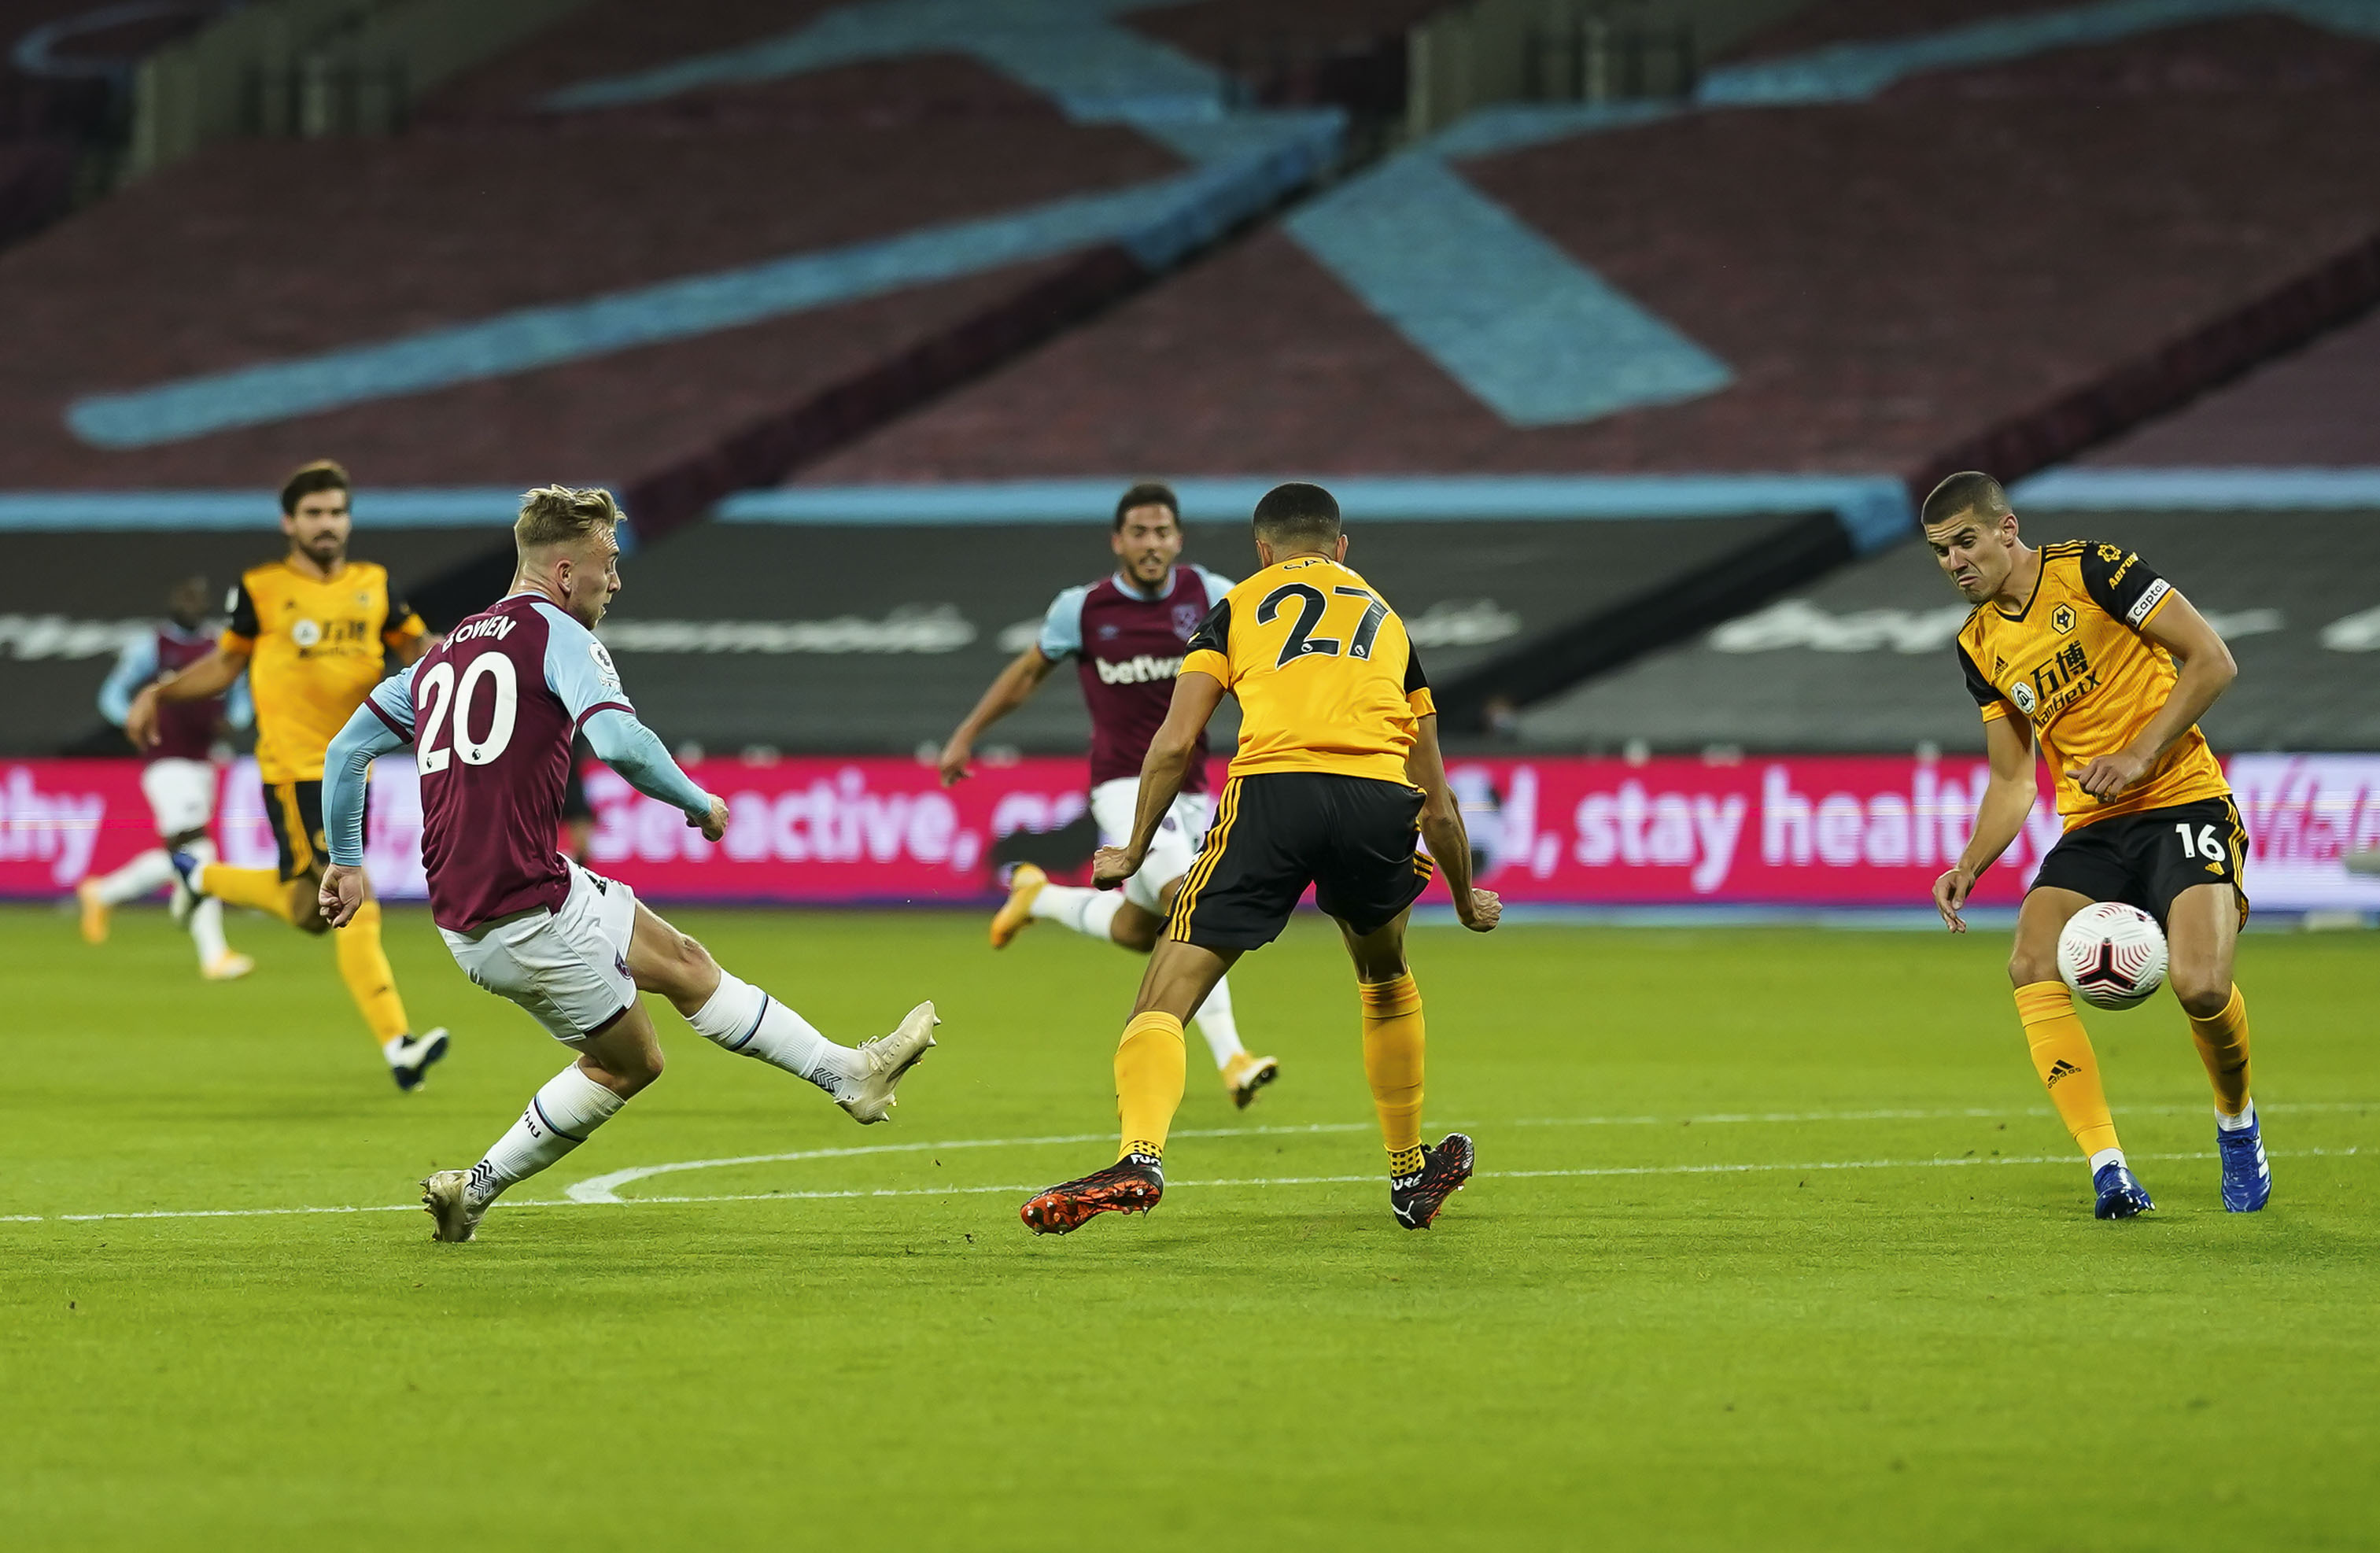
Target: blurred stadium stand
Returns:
[[2313, 409], [66, 90], [610, 279], [903, 625], [1863, 662], [1603, 350], [72, 590], [1879, 264]]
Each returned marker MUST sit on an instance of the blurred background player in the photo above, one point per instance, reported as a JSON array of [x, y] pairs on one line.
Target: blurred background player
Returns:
[[1337, 775], [1126, 634], [2076, 643], [572, 949], [578, 814], [314, 631], [178, 779]]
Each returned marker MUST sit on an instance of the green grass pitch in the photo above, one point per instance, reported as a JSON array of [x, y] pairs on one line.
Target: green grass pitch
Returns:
[[1775, 1245]]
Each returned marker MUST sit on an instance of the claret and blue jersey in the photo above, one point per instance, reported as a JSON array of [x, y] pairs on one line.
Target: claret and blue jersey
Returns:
[[1127, 645], [490, 712]]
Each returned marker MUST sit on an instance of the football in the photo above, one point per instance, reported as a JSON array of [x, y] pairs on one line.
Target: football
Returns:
[[2112, 955]]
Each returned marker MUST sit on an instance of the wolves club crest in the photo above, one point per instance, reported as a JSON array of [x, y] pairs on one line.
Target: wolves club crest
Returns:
[[2061, 619]]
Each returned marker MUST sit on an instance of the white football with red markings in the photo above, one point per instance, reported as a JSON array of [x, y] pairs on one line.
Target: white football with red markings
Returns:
[[2112, 955]]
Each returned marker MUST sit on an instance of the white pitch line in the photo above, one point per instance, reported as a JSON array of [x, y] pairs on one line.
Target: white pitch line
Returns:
[[601, 1188], [598, 1190], [1243, 1180], [1969, 1112]]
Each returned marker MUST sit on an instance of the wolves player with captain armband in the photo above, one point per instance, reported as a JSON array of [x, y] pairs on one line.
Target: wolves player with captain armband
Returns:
[[491, 713]]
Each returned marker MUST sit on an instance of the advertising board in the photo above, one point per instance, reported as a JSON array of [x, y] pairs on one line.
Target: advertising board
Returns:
[[1823, 830]]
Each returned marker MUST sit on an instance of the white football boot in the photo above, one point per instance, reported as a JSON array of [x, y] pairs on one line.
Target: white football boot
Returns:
[[869, 1098], [447, 1196]]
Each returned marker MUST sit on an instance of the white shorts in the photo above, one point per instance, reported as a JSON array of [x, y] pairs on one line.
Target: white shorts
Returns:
[[568, 968], [1170, 851], [181, 794]]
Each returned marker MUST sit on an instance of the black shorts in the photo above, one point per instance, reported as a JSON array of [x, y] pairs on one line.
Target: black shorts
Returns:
[[1352, 838], [2146, 860], [294, 809]]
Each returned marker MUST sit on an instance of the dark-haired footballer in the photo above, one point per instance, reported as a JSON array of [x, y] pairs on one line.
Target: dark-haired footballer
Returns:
[[1125, 633], [314, 632], [1337, 777], [2076, 644]]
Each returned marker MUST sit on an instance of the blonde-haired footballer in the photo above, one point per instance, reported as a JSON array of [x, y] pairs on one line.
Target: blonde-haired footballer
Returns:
[[492, 712], [1337, 776], [314, 632], [2077, 644]]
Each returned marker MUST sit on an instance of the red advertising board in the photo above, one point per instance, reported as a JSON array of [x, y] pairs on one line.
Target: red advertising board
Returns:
[[1848, 831]]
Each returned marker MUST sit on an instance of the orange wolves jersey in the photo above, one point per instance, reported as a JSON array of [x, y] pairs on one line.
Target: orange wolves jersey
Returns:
[[315, 651], [2073, 664], [1325, 677]]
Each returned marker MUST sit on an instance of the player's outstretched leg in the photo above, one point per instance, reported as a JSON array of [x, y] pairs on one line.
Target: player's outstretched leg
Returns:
[[217, 960], [1121, 917], [258, 889], [738, 1016], [146, 874], [1420, 1178], [1032, 898], [371, 983], [1244, 1072], [2062, 1054], [2203, 927], [1149, 1071]]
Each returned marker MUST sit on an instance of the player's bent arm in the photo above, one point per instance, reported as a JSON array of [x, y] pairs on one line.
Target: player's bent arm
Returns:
[[346, 764], [1014, 687], [1174, 746], [2207, 669], [1442, 828], [1999, 814], [210, 675], [135, 667], [636, 753]]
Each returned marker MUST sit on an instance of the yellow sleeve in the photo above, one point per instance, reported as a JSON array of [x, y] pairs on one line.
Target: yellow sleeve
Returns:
[[1422, 702], [401, 632], [1207, 661]]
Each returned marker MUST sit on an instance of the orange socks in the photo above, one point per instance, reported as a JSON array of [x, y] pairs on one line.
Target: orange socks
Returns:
[[1149, 1076], [2062, 1056], [2223, 1047], [1393, 1040]]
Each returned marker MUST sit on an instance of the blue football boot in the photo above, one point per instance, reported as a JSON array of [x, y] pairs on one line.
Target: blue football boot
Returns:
[[2247, 1178], [2121, 1196]]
